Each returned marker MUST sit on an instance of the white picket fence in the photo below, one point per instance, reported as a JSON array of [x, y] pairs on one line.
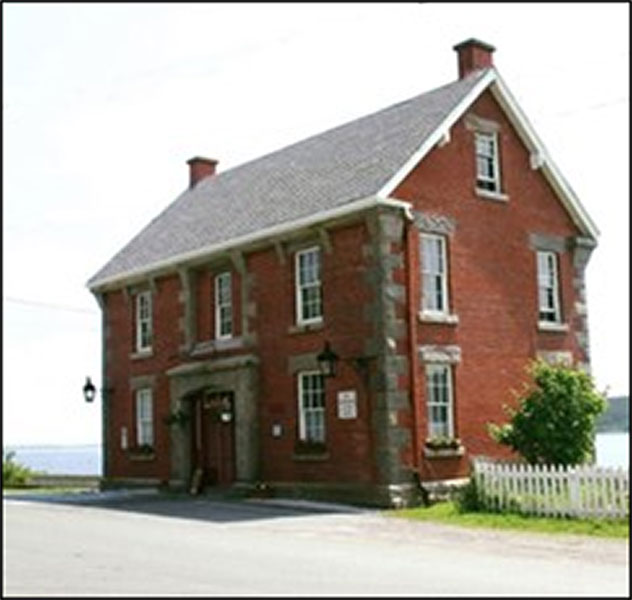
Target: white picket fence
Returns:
[[576, 491]]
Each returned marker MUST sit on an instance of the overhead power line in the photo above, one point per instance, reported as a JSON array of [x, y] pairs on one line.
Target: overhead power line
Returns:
[[48, 306]]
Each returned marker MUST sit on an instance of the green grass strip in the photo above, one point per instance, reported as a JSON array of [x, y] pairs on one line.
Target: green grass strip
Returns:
[[448, 513]]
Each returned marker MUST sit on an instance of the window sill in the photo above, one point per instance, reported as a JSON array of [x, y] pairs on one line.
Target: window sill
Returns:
[[306, 327], [552, 327], [141, 456], [444, 452], [307, 457], [140, 354], [443, 318], [489, 195]]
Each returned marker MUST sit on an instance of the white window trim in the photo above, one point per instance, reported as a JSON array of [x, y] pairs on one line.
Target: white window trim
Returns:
[[431, 368], [218, 307], [302, 426], [432, 314], [496, 193], [144, 395], [140, 321], [557, 312], [297, 287]]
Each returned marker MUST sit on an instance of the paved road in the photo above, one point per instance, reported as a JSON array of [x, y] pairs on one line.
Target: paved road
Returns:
[[154, 545]]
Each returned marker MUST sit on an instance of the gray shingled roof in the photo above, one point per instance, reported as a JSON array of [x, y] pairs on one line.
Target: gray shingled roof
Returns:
[[347, 163]]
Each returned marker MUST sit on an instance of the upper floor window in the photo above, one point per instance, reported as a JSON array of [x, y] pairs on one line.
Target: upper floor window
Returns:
[[311, 406], [309, 301], [143, 321], [434, 270], [548, 288], [223, 306], [487, 162], [144, 417], [439, 399]]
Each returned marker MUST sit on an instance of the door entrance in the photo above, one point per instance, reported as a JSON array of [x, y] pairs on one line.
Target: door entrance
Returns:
[[213, 441]]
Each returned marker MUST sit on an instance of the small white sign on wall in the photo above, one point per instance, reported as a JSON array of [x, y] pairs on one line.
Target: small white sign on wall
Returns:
[[347, 404]]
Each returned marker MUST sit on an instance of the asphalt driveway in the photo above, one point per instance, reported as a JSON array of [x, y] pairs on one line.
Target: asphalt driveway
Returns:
[[150, 544]]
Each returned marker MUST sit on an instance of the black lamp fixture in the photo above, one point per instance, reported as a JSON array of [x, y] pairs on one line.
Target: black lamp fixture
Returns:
[[89, 391], [327, 360]]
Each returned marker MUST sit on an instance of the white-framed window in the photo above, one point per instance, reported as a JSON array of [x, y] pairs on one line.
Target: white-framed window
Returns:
[[143, 321], [311, 406], [487, 162], [309, 293], [548, 288], [223, 305], [144, 417], [440, 400], [434, 274]]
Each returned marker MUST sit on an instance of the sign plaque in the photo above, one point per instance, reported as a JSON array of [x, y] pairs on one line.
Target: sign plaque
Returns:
[[347, 404]]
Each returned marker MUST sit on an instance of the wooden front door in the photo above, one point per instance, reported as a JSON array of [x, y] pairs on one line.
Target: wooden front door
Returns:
[[214, 440]]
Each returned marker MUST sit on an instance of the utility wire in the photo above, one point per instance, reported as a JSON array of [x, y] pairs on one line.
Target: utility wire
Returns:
[[49, 306], [566, 113]]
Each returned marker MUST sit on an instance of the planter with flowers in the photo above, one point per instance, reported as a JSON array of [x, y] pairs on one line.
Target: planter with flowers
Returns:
[[443, 447], [142, 452]]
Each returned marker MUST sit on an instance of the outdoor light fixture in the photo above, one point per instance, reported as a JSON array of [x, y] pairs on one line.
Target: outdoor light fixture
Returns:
[[225, 415], [89, 390], [327, 360]]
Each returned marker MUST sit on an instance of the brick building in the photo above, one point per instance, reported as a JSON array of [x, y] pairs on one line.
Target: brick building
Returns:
[[429, 250]]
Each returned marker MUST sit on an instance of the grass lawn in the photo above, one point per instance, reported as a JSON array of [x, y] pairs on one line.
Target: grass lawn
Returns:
[[447, 512]]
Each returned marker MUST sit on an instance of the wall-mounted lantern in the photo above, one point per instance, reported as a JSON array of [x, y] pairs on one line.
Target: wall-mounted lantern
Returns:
[[327, 360], [90, 391], [226, 413]]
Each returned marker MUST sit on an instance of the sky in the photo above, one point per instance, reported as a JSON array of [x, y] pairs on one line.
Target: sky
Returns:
[[103, 104]]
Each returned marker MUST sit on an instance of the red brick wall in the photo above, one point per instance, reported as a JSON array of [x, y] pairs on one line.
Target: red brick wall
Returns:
[[345, 294], [493, 283], [120, 368]]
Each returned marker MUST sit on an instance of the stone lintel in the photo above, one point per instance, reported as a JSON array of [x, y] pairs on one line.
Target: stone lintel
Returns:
[[439, 353], [547, 242], [433, 223]]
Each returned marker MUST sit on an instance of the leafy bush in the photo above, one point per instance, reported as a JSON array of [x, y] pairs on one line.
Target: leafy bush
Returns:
[[468, 498], [13, 473], [556, 416]]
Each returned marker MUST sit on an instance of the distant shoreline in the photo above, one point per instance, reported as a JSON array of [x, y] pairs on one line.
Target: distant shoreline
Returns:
[[53, 459], [7, 447]]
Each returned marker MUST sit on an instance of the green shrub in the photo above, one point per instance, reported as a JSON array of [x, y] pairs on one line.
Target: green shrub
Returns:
[[555, 420], [13, 473], [468, 498]]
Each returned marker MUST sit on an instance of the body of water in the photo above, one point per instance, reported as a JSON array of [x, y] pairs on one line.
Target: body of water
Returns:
[[60, 460], [613, 450]]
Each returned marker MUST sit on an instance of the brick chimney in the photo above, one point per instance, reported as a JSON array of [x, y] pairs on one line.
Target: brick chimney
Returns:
[[473, 55], [199, 168]]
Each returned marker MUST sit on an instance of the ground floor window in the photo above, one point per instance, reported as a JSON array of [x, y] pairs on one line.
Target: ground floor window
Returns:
[[144, 417], [439, 398], [311, 405]]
